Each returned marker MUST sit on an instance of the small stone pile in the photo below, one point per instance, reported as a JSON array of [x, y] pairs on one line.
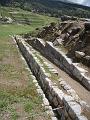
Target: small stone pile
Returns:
[[65, 18], [5, 20], [48, 31]]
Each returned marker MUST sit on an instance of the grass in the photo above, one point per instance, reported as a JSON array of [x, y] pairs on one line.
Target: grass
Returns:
[[16, 83], [36, 21], [14, 115]]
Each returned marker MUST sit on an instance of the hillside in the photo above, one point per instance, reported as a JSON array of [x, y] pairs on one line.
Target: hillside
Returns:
[[52, 7]]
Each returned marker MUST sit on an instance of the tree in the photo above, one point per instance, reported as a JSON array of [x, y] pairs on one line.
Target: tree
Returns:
[[5, 2]]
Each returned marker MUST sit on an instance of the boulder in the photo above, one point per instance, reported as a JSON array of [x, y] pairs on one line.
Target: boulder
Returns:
[[9, 20], [79, 54], [65, 18], [58, 41], [87, 58]]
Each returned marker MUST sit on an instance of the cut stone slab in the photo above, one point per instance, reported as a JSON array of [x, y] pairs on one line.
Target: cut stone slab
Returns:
[[48, 74], [45, 101], [81, 118], [54, 118], [79, 54], [74, 110], [87, 57]]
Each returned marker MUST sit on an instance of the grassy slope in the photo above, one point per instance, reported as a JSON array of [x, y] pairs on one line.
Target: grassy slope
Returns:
[[36, 21], [18, 96]]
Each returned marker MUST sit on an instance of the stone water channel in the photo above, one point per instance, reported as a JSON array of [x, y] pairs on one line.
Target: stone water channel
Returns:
[[51, 79], [61, 78], [49, 112]]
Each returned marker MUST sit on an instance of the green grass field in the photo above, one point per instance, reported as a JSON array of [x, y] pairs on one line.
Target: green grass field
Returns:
[[18, 95], [18, 14]]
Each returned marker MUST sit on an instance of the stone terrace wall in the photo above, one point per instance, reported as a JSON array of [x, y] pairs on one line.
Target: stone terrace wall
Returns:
[[69, 109], [61, 60]]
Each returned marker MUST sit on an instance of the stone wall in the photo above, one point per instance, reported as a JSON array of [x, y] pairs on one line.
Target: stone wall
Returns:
[[68, 108], [61, 60]]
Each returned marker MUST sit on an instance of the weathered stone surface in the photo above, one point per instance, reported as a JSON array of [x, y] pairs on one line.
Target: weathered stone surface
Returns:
[[81, 118], [67, 62], [58, 41], [74, 110], [67, 87], [39, 91], [87, 58], [63, 83], [48, 74], [67, 99], [79, 54], [46, 103], [55, 102], [77, 73], [54, 118], [86, 82]]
